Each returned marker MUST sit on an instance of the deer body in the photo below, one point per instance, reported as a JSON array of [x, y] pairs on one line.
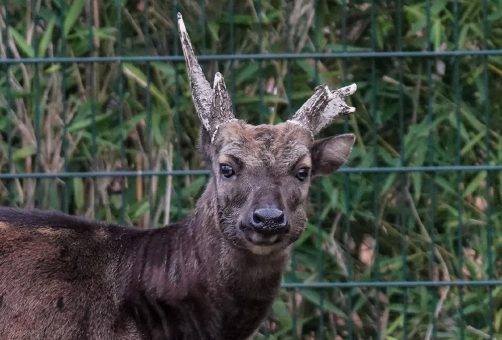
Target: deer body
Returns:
[[213, 275], [77, 279]]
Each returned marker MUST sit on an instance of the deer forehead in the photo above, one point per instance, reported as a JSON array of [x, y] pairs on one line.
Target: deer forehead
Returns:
[[280, 145]]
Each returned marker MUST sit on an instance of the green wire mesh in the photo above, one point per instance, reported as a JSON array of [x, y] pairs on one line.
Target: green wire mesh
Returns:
[[96, 119]]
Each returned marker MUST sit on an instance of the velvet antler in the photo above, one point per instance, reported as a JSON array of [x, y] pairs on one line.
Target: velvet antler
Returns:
[[213, 105], [323, 107]]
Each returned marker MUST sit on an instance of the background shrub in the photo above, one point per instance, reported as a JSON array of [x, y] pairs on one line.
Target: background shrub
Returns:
[[89, 86]]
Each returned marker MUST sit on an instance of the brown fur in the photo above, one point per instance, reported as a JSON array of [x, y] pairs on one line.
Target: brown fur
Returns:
[[63, 277]]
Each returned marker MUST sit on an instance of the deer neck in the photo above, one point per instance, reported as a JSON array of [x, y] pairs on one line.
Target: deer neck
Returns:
[[190, 269], [193, 255], [236, 268]]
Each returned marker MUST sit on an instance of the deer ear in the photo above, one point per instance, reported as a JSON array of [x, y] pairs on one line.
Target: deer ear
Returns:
[[328, 154]]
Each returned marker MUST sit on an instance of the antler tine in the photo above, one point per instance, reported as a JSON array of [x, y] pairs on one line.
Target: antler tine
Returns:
[[323, 107], [221, 109]]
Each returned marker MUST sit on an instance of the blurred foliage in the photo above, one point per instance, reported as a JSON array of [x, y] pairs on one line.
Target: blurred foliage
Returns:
[[411, 111]]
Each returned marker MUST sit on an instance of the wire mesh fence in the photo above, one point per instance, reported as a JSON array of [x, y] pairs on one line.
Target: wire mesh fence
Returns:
[[96, 119]]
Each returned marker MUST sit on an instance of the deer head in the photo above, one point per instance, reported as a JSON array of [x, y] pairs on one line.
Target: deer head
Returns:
[[261, 174]]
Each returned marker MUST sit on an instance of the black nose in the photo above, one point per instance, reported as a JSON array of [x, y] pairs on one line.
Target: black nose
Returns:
[[269, 221]]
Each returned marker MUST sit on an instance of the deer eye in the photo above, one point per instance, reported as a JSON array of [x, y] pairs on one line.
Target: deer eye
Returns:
[[226, 170], [302, 174]]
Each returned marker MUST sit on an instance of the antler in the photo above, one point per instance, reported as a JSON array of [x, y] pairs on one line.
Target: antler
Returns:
[[213, 105], [323, 107]]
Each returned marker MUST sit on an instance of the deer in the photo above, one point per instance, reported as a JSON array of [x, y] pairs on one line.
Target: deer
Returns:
[[212, 275]]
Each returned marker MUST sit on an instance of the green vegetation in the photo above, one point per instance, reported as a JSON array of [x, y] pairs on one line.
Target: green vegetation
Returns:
[[371, 226]]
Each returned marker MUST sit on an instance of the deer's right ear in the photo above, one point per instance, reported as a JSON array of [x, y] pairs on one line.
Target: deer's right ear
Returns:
[[328, 154]]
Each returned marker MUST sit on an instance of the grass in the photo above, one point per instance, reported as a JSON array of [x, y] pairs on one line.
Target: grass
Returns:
[[364, 227]]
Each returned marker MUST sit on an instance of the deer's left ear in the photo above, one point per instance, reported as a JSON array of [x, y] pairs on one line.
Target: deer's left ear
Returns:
[[328, 154]]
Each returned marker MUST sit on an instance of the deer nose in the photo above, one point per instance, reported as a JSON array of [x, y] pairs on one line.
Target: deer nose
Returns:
[[269, 221]]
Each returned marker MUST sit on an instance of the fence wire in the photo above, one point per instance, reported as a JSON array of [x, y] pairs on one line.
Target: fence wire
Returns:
[[96, 119]]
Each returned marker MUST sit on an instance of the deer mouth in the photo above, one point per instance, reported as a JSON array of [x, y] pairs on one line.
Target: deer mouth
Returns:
[[260, 239]]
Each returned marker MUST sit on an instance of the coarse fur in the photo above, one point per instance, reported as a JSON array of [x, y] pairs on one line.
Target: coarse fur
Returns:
[[213, 275], [63, 277]]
